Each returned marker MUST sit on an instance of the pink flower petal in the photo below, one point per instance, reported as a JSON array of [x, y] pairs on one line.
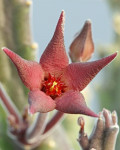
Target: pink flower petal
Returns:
[[54, 57], [40, 102], [82, 46], [78, 75], [30, 72], [73, 102]]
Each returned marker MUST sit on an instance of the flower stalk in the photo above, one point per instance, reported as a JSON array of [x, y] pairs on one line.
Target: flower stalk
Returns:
[[54, 120], [35, 131], [9, 105]]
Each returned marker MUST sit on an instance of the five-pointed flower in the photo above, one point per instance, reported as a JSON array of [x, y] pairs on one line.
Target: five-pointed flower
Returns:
[[53, 82]]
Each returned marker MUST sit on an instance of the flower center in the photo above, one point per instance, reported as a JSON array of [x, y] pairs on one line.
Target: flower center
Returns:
[[53, 86]]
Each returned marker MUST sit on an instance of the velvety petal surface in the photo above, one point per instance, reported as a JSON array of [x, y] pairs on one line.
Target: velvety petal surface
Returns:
[[78, 75], [54, 57], [40, 102], [30, 72], [73, 102], [82, 47]]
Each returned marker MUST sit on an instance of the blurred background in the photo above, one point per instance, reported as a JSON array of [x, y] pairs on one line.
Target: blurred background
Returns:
[[104, 90]]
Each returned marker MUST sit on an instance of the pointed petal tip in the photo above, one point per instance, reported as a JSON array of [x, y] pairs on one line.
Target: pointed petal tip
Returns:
[[116, 53], [8, 51], [5, 49], [90, 113], [63, 12], [95, 115], [62, 18], [112, 56]]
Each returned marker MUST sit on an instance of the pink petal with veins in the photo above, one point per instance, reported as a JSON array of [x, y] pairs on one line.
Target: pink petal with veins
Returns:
[[82, 46], [40, 102], [78, 75], [54, 57], [30, 72], [73, 102]]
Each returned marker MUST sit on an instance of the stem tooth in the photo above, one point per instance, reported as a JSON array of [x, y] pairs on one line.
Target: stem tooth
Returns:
[[34, 45], [28, 2]]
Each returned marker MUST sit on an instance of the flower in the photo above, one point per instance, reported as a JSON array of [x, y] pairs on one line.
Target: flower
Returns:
[[53, 82]]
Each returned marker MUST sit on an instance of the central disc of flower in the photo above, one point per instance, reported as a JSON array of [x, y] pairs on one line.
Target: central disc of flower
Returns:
[[53, 86]]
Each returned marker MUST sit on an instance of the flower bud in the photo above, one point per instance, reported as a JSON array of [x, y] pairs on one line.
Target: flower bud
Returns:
[[82, 47]]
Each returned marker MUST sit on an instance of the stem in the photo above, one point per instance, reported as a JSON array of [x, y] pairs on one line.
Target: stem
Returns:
[[83, 138], [37, 128], [33, 134], [15, 33], [10, 107], [53, 121], [104, 134], [111, 128], [96, 140]]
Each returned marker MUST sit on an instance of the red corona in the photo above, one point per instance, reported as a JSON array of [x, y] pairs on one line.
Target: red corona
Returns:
[[53, 86]]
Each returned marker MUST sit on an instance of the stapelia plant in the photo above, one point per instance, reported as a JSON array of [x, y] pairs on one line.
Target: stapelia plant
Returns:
[[53, 82]]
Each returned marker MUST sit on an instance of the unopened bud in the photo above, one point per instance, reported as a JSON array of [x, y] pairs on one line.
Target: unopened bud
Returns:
[[82, 46]]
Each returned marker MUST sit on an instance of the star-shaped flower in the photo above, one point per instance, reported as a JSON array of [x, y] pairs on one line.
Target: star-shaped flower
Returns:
[[53, 82]]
